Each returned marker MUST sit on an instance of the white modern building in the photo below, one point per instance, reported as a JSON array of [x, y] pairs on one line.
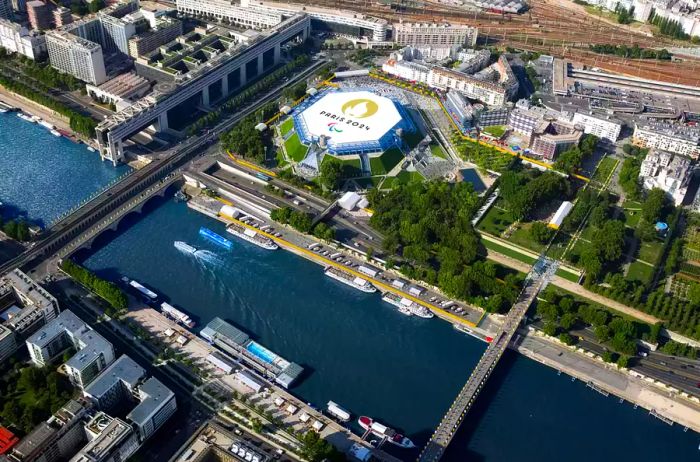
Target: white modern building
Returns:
[[603, 127], [342, 22], [76, 56], [93, 352], [228, 11], [675, 139], [157, 404], [440, 34], [495, 87], [24, 307], [111, 440], [666, 171], [16, 38]]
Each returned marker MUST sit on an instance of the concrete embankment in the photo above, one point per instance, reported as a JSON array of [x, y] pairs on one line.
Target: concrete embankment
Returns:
[[653, 396]]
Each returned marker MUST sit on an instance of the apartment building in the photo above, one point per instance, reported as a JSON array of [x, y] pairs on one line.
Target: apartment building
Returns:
[[676, 139], [667, 171], [39, 13], [93, 352], [16, 38], [76, 56], [228, 11], [442, 34]]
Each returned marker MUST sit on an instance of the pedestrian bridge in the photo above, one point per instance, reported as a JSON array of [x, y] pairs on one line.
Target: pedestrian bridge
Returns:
[[536, 280]]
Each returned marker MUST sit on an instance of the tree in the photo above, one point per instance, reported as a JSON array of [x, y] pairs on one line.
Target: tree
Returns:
[[569, 161], [331, 173], [653, 205], [316, 449], [550, 328], [623, 361], [608, 356], [540, 232], [256, 425], [568, 321], [566, 338], [96, 5]]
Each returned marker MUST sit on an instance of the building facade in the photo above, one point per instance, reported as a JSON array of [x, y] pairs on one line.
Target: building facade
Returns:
[[166, 29], [226, 10], [6, 10], [62, 16], [93, 352], [111, 440], [443, 34], [604, 128], [16, 38], [39, 13], [74, 55], [666, 137], [667, 171]]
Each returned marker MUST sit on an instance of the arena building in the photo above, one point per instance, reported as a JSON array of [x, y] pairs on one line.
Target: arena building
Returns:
[[351, 122]]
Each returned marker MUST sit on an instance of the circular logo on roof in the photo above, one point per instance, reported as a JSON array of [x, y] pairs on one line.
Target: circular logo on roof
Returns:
[[360, 108]]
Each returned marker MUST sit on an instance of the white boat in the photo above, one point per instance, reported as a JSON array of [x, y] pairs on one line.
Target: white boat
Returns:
[[338, 412], [91, 149], [350, 280], [185, 247], [251, 236], [406, 306], [45, 124], [384, 432], [3, 110], [147, 292], [55, 133], [177, 315], [26, 117]]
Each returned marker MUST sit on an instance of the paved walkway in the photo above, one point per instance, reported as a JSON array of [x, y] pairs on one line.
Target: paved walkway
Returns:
[[577, 289]]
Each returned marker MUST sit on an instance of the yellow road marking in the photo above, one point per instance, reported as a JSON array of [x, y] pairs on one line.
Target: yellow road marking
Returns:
[[377, 283]]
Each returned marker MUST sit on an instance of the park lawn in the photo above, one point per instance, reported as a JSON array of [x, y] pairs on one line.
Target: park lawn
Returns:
[[632, 217], [521, 237], [573, 255], [437, 151], [638, 271], [280, 161], [508, 252], [408, 177], [567, 275], [629, 204], [287, 126], [495, 221], [352, 167], [381, 165], [650, 252], [389, 182], [295, 149], [605, 168], [495, 130]]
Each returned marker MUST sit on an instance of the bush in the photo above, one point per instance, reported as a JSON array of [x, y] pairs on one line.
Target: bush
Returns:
[[104, 289]]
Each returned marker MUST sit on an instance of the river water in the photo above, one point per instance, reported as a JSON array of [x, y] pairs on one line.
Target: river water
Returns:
[[356, 349], [44, 176]]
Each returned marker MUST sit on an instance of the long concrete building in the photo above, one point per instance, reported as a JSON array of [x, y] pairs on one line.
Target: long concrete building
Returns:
[[222, 73]]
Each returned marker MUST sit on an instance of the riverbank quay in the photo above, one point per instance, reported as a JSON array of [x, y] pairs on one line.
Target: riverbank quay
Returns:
[[298, 244], [659, 399], [581, 291], [651, 396]]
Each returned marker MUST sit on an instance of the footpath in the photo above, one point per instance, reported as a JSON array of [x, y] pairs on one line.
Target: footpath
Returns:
[[608, 379]]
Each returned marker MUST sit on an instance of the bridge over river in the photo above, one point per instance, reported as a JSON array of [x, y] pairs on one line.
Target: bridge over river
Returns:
[[536, 280]]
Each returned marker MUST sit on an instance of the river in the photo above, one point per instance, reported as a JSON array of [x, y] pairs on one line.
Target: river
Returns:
[[44, 176]]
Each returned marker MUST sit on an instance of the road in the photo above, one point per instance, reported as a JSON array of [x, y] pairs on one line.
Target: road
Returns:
[[96, 209]]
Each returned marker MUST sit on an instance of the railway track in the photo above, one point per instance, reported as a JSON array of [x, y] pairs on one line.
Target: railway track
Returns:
[[547, 27]]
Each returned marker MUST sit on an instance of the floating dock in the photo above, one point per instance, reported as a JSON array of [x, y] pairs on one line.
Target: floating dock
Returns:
[[233, 341]]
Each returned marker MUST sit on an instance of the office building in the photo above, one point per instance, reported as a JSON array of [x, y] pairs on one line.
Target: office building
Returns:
[[157, 405], [6, 9], [24, 307], [111, 440], [16, 38], [62, 16], [461, 111], [212, 442], [115, 384], [93, 352], [228, 11], [76, 56], [676, 139], [350, 24], [122, 383], [554, 137], [603, 127], [166, 29], [490, 116], [441, 35], [117, 30], [39, 13], [56, 439], [525, 121], [666, 171]]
